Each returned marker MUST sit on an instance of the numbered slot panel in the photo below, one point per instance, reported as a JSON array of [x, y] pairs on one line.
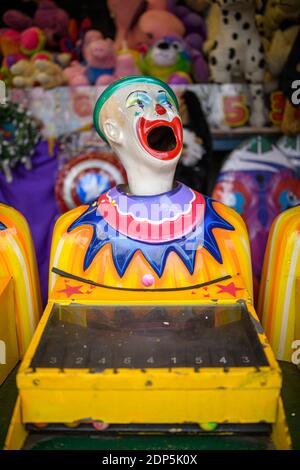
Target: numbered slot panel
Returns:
[[144, 337]]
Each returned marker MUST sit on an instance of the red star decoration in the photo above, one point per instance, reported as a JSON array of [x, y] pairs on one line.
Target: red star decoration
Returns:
[[230, 288], [70, 290]]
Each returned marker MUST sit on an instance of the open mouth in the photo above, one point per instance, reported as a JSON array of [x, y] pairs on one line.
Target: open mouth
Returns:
[[162, 139]]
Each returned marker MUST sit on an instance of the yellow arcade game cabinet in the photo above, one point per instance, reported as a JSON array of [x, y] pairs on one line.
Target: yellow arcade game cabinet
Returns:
[[150, 325]]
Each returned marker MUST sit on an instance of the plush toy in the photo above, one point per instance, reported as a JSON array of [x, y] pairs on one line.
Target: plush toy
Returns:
[[279, 48], [48, 74], [23, 74], [168, 60], [10, 47], [32, 40], [212, 27], [194, 23], [275, 13], [75, 74], [54, 21], [238, 52], [99, 63], [126, 64], [37, 71], [198, 5], [153, 25], [100, 60], [17, 20], [73, 42], [259, 182]]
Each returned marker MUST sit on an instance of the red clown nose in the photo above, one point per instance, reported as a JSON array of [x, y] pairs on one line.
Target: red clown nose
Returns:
[[160, 109]]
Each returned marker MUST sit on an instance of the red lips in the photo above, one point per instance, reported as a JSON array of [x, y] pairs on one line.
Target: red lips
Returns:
[[145, 127]]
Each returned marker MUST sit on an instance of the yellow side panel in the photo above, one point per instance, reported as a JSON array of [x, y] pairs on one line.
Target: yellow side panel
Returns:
[[9, 353], [278, 303], [18, 261]]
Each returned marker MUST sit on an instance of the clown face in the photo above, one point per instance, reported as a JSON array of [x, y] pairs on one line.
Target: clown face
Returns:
[[148, 121]]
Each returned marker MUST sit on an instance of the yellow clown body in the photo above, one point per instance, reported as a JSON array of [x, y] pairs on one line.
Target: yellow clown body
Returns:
[[69, 251]]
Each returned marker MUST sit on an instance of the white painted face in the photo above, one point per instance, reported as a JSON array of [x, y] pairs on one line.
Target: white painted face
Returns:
[[142, 124]]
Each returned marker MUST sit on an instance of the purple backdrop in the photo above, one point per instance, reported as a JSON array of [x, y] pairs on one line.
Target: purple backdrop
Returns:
[[32, 193]]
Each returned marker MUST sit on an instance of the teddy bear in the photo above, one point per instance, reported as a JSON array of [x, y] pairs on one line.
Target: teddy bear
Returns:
[[23, 74], [99, 63], [168, 60], [37, 71], [237, 51], [48, 74]]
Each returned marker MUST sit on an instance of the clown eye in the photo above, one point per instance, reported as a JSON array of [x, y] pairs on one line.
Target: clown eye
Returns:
[[164, 100], [138, 98]]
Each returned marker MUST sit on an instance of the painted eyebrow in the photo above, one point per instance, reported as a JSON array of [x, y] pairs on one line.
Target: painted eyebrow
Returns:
[[136, 91]]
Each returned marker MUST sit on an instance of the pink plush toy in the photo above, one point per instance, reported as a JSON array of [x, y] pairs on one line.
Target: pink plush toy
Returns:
[[75, 74], [17, 20], [52, 20], [125, 65], [90, 36], [100, 62], [32, 40]]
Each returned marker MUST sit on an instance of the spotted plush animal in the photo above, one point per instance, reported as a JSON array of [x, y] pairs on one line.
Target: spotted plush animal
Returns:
[[238, 51]]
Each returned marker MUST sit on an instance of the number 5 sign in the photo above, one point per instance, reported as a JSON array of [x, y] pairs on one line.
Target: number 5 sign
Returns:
[[235, 109]]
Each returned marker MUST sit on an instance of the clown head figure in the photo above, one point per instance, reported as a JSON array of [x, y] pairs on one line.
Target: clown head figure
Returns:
[[139, 118]]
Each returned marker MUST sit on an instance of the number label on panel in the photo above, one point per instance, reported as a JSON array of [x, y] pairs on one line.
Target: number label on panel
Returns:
[[277, 107], [235, 109]]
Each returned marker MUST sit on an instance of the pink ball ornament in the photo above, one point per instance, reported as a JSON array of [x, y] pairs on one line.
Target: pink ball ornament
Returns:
[[147, 280]]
